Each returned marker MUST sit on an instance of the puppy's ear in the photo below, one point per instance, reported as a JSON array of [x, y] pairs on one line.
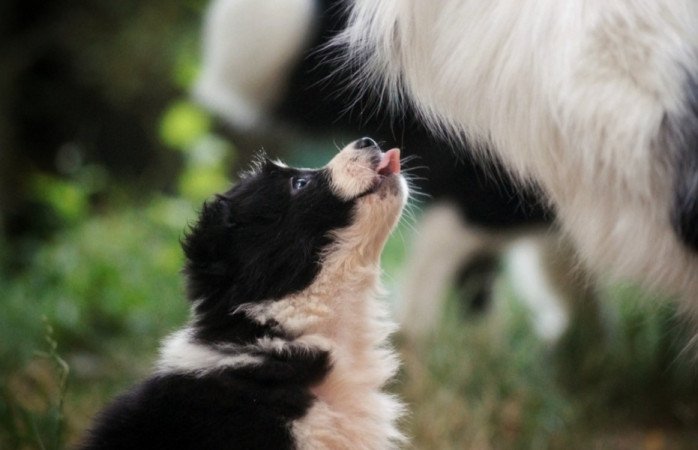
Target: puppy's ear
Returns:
[[226, 212], [269, 166], [684, 215], [202, 242]]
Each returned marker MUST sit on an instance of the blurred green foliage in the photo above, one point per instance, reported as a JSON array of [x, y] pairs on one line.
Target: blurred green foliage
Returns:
[[182, 124], [106, 280], [111, 281], [206, 169], [84, 84]]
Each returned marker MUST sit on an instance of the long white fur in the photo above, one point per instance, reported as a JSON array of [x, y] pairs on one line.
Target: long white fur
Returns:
[[569, 93]]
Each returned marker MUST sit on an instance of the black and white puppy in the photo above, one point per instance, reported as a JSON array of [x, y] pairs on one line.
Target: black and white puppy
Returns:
[[287, 346]]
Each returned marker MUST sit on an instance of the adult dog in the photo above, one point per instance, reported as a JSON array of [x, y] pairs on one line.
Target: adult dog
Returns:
[[595, 101]]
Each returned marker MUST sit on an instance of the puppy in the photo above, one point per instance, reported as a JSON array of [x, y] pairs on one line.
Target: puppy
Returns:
[[595, 101], [287, 346]]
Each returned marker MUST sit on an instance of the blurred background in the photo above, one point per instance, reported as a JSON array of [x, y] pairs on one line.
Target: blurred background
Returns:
[[105, 158]]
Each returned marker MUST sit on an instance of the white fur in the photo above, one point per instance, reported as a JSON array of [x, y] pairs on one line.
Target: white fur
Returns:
[[249, 48], [181, 354], [532, 285], [569, 93]]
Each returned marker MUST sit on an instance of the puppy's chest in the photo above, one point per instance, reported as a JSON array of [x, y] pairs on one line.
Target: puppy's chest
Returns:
[[350, 410]]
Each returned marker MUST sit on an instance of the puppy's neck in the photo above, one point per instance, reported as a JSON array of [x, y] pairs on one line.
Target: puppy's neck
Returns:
[[337, 298]]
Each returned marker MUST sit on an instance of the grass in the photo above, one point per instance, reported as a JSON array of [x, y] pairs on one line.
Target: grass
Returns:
[[487, 381], [485, 384], [109, 289]]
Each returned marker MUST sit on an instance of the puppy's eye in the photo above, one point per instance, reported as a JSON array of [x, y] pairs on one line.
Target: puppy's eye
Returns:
[[299, 182]]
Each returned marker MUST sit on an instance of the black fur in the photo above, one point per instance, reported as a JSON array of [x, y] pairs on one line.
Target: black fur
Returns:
[[685, 139], [232, 409], [259, 241], [475, 281]]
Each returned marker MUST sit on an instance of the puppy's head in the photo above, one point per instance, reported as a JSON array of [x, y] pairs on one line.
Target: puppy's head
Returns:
[[268, 236]]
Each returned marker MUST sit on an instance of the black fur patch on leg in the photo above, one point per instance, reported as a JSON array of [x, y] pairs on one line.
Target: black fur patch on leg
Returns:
[[684, 215], [474, 282]]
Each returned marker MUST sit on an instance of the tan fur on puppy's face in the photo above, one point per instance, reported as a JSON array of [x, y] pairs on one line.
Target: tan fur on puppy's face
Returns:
[[352, 171], [353, 174]]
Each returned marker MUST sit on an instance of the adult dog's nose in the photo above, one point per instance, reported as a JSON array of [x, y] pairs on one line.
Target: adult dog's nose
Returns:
[[365, 142]]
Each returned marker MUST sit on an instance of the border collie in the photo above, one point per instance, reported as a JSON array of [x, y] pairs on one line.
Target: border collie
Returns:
[[287, 345], [282, 79], [596, 101]]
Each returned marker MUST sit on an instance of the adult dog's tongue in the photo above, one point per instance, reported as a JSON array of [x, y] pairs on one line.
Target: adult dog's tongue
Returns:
[[390, 163]]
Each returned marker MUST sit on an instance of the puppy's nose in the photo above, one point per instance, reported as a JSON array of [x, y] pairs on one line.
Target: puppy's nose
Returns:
[[365, 142]]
